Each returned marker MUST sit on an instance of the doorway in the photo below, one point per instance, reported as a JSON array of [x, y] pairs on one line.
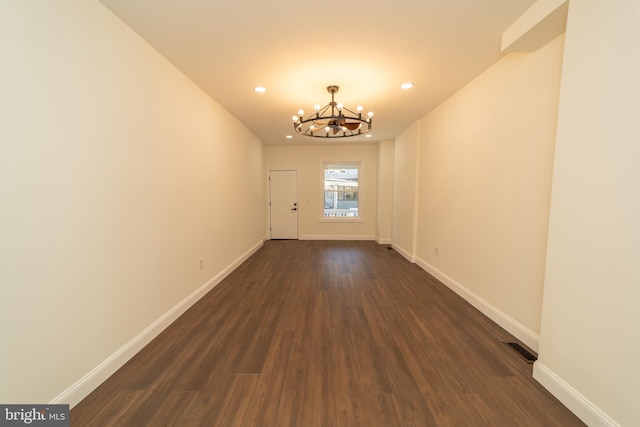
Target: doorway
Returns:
[[283, 204]]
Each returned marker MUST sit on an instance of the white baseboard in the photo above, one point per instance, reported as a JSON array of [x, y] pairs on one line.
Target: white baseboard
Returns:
[[589, 413], [383, 241], [515, 328], [81, 389], [404, 253], [335, 237]]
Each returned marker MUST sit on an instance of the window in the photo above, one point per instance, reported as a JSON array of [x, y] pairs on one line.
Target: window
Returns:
[[341, 190]]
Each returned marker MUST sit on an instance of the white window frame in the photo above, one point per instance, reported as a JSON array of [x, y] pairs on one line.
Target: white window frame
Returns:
[[323, 167]]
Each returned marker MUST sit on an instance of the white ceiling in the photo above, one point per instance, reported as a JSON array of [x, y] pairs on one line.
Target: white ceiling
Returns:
[[297, 49]]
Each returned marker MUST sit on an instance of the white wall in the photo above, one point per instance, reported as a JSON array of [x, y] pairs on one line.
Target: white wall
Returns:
[[590, 337], [307, 160], [385, 191], [114, 183], [405, 175], [484, 187]]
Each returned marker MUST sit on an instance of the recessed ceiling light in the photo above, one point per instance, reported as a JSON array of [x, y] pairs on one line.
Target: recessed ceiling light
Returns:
[[260, 89], [407, 85], [289, 137], [368, 136]]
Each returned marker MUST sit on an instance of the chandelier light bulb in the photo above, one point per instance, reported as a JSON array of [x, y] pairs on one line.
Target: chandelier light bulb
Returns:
[[317, 107], [340, 106], [301, 113], [370, 114], [359, 109], [295, 119]]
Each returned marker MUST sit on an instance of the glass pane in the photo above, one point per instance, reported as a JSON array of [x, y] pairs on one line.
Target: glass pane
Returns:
[[329, 200], [341, 190]]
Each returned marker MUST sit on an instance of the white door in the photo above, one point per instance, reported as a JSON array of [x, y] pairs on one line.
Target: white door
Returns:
[[283, 193]]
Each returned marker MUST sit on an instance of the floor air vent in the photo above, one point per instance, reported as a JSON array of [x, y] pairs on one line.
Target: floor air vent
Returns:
[[530, 358]]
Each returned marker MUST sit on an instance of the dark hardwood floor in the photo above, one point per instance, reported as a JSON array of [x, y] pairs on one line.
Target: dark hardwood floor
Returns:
[[326, 333]]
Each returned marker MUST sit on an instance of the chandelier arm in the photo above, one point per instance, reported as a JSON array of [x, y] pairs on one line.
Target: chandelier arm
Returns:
[[322, 111], [352, 112]]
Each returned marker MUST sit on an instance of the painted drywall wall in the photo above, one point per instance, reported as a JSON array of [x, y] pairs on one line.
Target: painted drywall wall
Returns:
[[485, 181], [307, 160], [405, 175], [385, 191], [590, 335], [117, 176]]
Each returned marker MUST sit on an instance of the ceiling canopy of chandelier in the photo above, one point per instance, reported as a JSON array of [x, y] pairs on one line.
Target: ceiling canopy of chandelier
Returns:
[[334, 120]]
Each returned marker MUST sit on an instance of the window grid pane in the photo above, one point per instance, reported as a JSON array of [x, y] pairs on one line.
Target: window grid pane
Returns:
[[341, 190]]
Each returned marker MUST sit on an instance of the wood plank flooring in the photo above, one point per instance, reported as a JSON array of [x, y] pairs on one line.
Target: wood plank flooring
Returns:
[[326, 334]]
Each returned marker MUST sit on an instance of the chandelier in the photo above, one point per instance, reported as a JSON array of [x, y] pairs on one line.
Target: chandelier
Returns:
[[334, 120]]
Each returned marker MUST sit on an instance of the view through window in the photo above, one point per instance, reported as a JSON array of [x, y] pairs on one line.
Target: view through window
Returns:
[[341, 190]]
